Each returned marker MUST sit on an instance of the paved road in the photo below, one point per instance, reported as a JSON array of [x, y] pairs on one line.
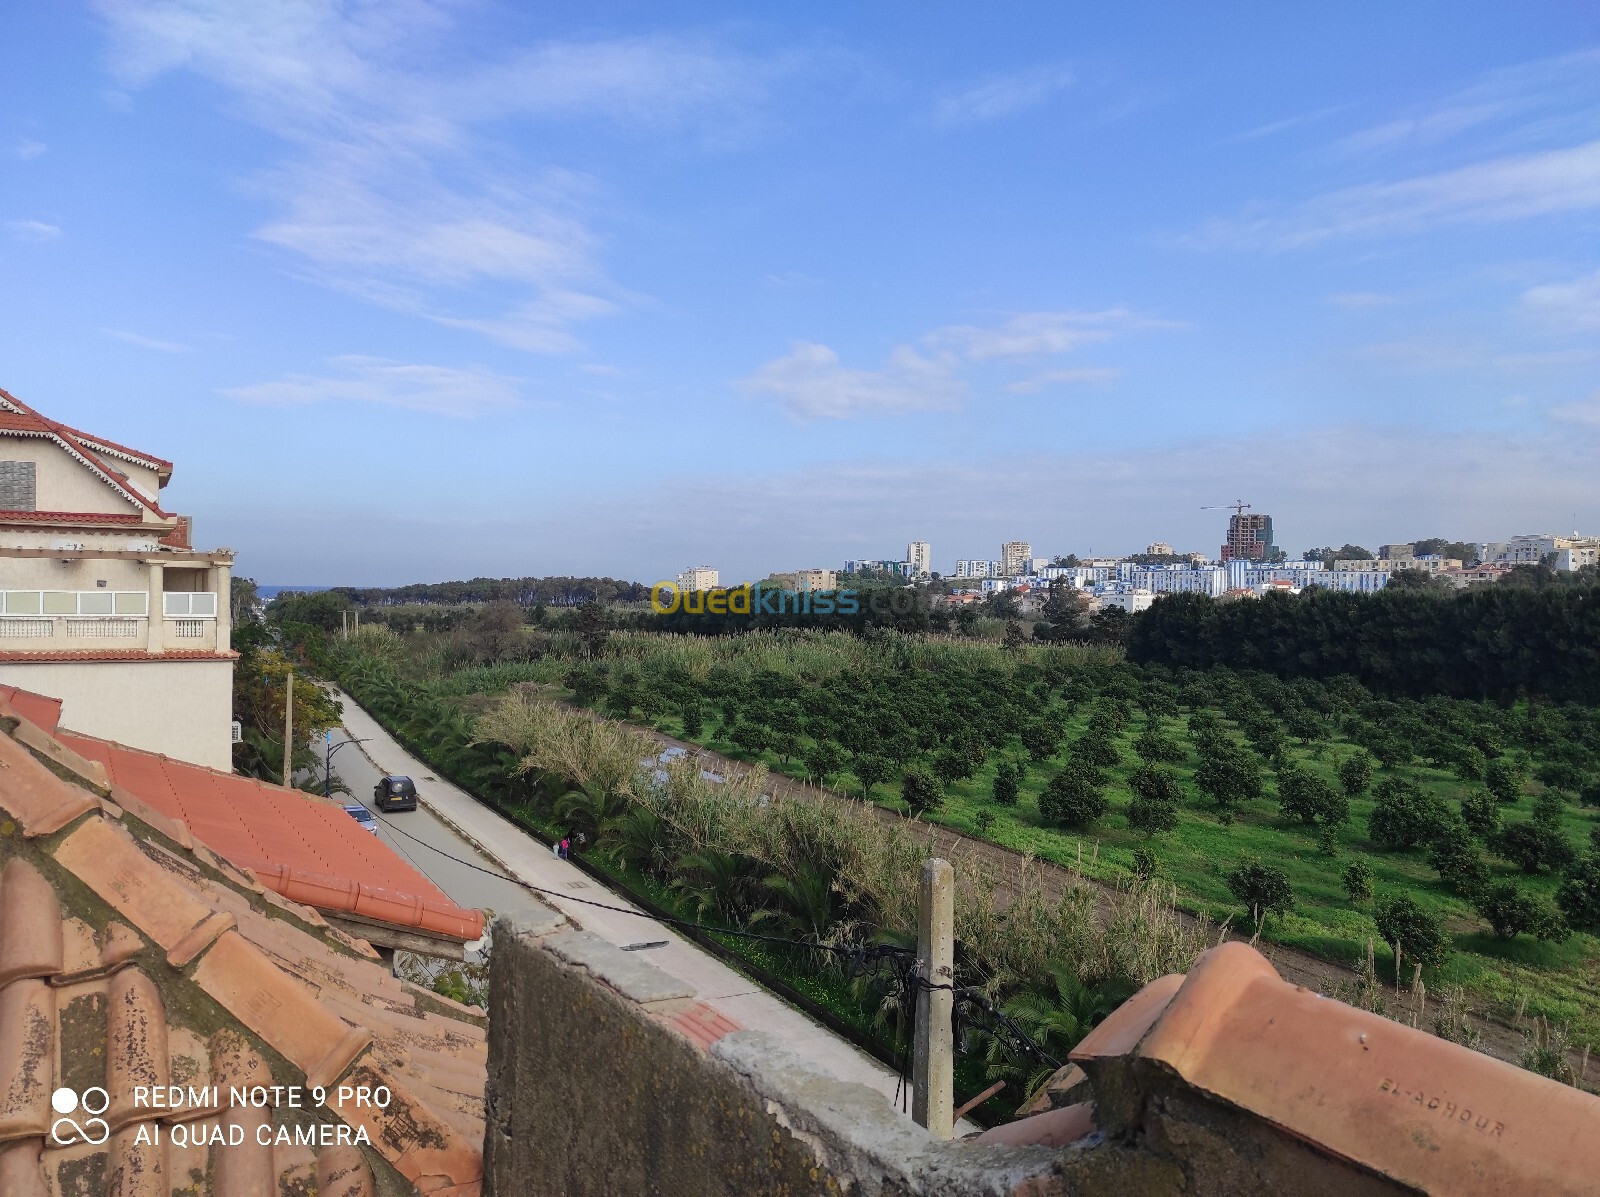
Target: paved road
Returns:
[[453, 820]]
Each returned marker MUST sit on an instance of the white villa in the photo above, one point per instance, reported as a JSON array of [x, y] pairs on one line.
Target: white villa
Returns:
[[104, 602]]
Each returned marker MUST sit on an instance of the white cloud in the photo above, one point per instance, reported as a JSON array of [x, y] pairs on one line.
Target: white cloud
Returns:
[[34, 232], [1283, 126], [28, 149], [1359, 300], [1584, 411], [1571, 305], [437, 390], [133, 338], [811, 384], [1054, 378], [394, 184], [1002, 95], [1516, 187]]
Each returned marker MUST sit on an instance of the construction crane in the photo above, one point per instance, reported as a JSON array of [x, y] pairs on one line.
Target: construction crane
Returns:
[[1238, 507]]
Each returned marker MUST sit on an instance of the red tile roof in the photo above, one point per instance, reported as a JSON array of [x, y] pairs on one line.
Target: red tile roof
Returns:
[[70, 517], [114, 654], [299, 845], [131, 956], [38, 709], [17, 416]]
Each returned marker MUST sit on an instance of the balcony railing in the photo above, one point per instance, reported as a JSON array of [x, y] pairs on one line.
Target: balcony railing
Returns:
[[105, 629], [69, 633]]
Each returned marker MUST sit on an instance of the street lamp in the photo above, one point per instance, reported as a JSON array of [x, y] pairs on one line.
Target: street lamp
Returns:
[[327, 760]]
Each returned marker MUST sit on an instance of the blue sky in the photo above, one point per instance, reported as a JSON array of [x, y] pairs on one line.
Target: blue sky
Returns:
[[417, 290]]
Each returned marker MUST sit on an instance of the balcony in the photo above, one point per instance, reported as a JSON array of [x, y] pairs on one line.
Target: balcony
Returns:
[[87, 620]]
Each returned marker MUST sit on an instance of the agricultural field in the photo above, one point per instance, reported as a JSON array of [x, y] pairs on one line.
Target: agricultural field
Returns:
[[1324, 815]]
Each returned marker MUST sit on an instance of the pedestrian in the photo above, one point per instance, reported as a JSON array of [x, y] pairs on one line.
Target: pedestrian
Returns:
[[583, 839], [566, 848], [555, 848]]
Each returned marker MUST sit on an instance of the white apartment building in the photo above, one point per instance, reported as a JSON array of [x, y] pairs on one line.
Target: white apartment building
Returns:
[[1431, 563], [1294, 573], [104, 602], [920, 557], [1361, 581], [1579, 554], [1129, 599], [698, 577], [1015, 558], [974, 568], [1176, 579], [1079, 575], [816, 579]]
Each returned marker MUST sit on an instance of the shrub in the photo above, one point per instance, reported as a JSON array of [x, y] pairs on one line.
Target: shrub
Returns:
[[1579, 895], [984, 820], [921, 790], [1155, 784], [1007, 784], [1041, 739], [693, 721], [1152, 816], [1400, 920], [1096, 747], [1510, 912], [1355, 774], [871, 770], [1589, 794], [1144, 862], [1470, 763], [1504, 778], [1156, 748], [1074, 795], [1263, 888], [1405, 815], [1357, 880], [1458, 859]]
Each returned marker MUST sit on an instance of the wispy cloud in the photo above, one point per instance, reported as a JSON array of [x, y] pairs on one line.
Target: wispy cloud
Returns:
[[436, 390], [811, 384], [143, 342], [1002, 95], [1584, 411], [810, 381], [1503, 189], [1573, 305], [32, 231], [396, 184], [1273, 128], [28, 149], [1030, 334], [1048, 379], [1359, 300]]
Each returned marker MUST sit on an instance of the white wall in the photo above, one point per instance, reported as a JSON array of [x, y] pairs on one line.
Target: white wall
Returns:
[[181, 708], [62, 483]]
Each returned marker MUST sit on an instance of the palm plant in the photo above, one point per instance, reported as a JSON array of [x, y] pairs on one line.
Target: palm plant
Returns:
[[1057, 1018], [717, 884], [805, 901]]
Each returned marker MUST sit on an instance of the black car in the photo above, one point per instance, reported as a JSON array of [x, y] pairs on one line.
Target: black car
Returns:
[[395, 793]]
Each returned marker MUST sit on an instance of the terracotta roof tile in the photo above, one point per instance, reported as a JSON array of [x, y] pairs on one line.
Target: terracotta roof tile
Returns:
[[131, 655], [97, 918], [19, 417], [297, 844], [41, 711], [70, 517]]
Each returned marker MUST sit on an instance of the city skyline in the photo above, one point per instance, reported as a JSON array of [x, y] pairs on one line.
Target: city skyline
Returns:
[[464, 291]]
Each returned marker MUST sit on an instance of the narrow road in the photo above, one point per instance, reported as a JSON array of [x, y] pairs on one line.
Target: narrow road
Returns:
[[452, 821]]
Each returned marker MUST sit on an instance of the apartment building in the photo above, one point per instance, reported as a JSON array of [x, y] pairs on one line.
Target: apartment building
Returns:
[[1015, 558], [1431, 563], [976, 568], [105, 603], [919, 556], [698, 577]]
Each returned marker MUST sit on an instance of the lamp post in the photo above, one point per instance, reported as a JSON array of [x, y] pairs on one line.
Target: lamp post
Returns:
[[327, 760]]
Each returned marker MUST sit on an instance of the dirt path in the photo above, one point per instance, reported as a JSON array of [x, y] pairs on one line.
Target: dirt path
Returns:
[[1301, 968]]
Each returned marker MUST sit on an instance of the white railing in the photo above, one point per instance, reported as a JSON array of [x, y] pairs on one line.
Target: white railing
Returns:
[[188, 628], [104, 629], [26, 629]]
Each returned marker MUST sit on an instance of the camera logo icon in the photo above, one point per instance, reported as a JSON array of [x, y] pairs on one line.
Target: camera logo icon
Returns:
[[94, 1130]]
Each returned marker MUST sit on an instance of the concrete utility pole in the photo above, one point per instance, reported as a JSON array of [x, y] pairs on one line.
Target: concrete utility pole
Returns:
[[288, 730], [932, 1084]]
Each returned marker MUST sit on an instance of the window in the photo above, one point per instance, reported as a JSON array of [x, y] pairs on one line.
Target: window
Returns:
[[94, 602], [74, 602], [22, 602], [197, 603], [16, 485]]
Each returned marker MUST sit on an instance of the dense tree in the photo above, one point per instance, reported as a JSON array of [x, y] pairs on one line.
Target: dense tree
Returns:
[[1534, 845], [1458, 859], [1074, 795], [1263, 888], [1305, 796], [1041, 739], [921, 790], [1579, 895], [1357, 880], [693, 720], [870, 770], [1156, 748], [822, 759], [1504, 777], [1096, 747], [1007, 784], [1400, 920], [1511, 911], [1481, 813], [1355, 774], [1405, 815], [1227, 773], [1470, 763]]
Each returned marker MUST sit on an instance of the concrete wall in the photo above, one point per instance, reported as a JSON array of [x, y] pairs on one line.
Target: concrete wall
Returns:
[[62, 483], [597, 1090], [181, 708]]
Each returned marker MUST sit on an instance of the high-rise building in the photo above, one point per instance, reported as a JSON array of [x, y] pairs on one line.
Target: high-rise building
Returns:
[[920, 557], [1014, 558], [1249, 538], [698, 577]]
